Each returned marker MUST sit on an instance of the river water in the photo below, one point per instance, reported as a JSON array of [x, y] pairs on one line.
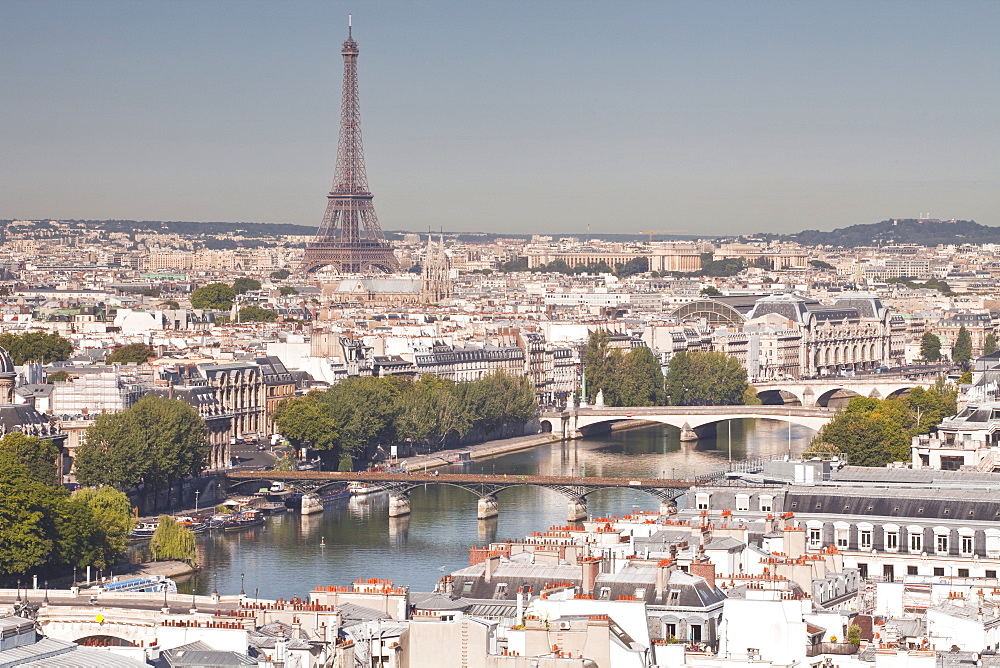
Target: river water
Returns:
[[355, 538]]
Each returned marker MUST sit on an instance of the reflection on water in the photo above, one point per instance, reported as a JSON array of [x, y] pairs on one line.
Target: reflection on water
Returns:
[[355, 538]]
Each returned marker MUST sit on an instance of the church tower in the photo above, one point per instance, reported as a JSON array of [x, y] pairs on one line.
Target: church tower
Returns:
[[435, 278]]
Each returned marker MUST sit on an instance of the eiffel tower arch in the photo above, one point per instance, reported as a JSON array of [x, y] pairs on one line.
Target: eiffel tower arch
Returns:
[[350, 238]]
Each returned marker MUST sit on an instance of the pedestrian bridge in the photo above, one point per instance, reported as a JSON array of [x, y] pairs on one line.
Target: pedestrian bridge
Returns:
[[576, 489], [693, 421], [820, 391]]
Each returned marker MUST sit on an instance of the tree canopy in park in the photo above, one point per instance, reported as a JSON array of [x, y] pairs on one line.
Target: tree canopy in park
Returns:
[[280, 274], [875, 432], [254, 313], [696, 378], [632, 378], [44, 528], [243, 285], [157, 442], [218, 296], [133, 353], [36, 347], [354, 418], [40, 457], [930, 347]]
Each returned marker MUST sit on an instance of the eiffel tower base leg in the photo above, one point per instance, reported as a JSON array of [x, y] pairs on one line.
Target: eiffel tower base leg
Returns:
[[577, 509], [487, 508], [399, 505]]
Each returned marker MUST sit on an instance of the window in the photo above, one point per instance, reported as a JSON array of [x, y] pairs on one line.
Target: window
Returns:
[[863, 571], [605, 593], [916, 540], [892, 540], [815, 538], [911, 570], [842, 533], [941, 544], [670, 631], [965, 546], [993, 543], [701, 501], [742, 502], [766, 504], [939, 571], [865, 539], [992, 575], [696, 633], [640, 593], [963, 572]]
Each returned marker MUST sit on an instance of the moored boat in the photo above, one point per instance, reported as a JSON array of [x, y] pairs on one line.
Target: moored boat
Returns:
[[244, 520], [358, 488], [144, 530]]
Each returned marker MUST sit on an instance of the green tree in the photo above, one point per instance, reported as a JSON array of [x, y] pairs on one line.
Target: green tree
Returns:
[[281, 274], [930, 347], [287, 291], [931, 406], [40, 457], [710, 291], [133, 353], [112, 510], [157, 442], [171, 304], [56, 377], [172, 541], [218, 296], [965, 378], [990, 344], [696, 378], [244, 285], [253, 313], [961, 351], [854, 634], [28, 512], [870, 432], [598, 364], [432, 411], [820, 264], [36, 346], [642, 381], [307, 422]]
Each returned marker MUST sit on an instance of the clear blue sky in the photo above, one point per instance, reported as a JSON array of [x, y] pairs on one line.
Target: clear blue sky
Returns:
[[708, 116]]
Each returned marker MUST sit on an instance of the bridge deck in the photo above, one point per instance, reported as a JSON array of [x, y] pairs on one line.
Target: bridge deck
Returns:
[[460, 479]]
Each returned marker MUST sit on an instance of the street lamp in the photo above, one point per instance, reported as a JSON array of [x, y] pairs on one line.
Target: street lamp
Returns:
[[196, 493], [242, 591]]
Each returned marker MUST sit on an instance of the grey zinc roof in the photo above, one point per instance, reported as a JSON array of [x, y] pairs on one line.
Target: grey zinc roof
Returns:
[[944, 504], [84, 657]]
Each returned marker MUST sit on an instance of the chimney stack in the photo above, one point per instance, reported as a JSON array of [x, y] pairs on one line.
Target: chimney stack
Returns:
[[704, 569], [492, 562]]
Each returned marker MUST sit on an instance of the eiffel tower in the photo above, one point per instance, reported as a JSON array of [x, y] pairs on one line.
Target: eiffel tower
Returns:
[[350, 239]]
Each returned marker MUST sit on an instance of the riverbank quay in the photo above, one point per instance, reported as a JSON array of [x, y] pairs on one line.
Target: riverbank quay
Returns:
[[504, 446]]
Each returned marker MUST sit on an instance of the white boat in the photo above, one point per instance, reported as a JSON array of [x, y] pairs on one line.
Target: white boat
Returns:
[[311, 503], [357, 488]]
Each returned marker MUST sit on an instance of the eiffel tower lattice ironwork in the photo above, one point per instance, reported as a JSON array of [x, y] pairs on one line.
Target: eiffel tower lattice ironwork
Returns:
[[350, 239]]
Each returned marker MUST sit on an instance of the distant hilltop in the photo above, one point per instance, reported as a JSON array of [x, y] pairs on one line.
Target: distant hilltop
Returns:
[[922, 232], [918, 231]]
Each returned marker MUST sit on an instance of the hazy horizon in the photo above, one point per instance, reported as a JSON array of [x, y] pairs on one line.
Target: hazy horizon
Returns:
[[716, 118]]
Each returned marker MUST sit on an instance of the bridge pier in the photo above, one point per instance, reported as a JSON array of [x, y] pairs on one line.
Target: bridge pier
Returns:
[[577, 509], [688, 434], [668, 507], [399, 504], [487, 508]]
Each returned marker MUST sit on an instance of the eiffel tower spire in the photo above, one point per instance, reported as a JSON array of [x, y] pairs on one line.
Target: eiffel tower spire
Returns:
[[350, 238]]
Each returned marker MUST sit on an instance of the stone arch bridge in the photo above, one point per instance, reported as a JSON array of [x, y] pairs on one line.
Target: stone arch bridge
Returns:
[[486, 487], [820, 391], [693, 421]]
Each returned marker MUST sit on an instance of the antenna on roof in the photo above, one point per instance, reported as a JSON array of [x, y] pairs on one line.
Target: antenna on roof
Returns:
[[349, 26]]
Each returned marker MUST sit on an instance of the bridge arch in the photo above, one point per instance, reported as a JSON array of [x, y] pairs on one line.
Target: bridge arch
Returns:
[[779, 397], [839, 395], [696, 421]]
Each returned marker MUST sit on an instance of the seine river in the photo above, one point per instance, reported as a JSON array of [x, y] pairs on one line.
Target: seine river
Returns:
[[355, 538]]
